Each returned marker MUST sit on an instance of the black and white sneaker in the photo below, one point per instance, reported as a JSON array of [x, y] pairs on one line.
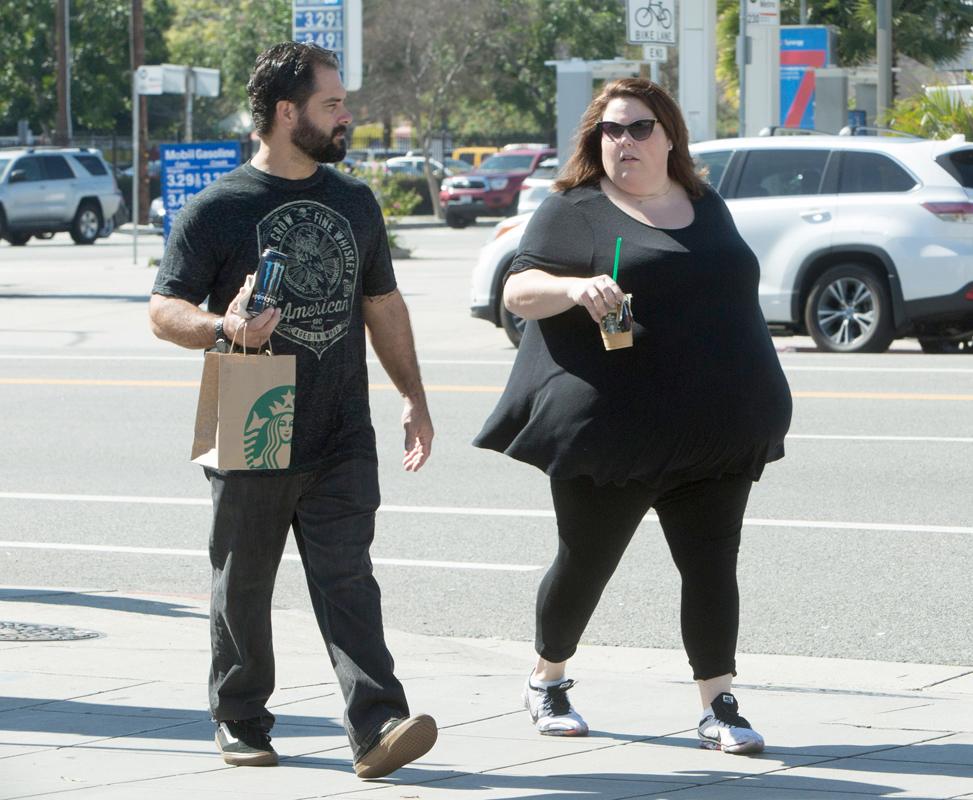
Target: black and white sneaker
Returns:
[[245, 743], [722, 728], [551, 710]]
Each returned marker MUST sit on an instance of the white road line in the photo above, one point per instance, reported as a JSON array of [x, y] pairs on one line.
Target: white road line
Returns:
[[502, 512], [198, 359], [836, 437], [171, 551], [929, 370], [9, 357], [503, 363]]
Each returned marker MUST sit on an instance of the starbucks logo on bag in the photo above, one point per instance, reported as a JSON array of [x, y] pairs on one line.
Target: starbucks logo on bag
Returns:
[[269, 429]]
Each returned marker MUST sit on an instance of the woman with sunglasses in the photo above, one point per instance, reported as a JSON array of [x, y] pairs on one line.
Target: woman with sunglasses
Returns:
[[683, 421]]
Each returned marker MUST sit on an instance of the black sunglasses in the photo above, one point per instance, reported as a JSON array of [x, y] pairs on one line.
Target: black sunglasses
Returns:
[[640, 130]]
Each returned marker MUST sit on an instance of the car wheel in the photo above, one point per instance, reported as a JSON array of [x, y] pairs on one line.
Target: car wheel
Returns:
[[87, 222], [458, 220], [946, 346], [513, 325], [18, 239], [849, 311]]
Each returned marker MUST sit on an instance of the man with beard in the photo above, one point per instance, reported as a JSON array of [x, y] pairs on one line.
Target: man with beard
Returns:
[[285, 199]]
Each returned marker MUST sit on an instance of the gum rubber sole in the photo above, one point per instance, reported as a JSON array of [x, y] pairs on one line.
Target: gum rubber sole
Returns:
[[408, 741]]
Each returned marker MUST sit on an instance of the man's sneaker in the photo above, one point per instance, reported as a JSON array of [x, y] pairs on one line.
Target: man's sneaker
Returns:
[[722, 728], [400, 741], [551, 710], [245, 743]]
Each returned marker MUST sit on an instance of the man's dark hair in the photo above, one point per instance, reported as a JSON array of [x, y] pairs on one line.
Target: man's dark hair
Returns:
[[284, 72]]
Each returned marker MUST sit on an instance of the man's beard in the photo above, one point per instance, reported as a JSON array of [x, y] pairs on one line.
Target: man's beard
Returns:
[[315, 144]]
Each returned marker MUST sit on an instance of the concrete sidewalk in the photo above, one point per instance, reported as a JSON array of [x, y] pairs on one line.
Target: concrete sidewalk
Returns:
[[123, 716]]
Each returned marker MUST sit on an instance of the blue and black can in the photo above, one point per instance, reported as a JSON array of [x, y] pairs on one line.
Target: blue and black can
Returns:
[[267, 282]]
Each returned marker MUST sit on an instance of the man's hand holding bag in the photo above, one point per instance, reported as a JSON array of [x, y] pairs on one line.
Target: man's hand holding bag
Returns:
[[245, 414]]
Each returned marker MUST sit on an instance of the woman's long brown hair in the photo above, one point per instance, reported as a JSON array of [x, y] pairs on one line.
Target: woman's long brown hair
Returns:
[[585, 167]]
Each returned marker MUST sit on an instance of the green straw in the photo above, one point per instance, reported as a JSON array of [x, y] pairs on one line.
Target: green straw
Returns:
[[618, 250]]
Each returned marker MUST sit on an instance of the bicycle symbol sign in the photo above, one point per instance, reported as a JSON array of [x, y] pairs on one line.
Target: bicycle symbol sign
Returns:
[[651, 21]]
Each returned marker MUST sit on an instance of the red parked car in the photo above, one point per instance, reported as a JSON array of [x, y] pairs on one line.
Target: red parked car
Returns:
[[492, 189]]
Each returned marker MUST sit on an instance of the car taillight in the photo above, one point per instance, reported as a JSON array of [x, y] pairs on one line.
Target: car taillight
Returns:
[[951, 212]]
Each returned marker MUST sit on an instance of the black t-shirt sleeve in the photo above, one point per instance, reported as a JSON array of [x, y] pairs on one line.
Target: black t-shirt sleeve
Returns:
[[191, 261], [379, 276], [558, 240]]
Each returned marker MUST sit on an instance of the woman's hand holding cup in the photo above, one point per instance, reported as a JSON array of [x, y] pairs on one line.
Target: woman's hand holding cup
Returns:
[[600, 295]]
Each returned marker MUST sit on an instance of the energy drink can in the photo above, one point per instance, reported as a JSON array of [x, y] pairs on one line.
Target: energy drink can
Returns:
[[267, 282]]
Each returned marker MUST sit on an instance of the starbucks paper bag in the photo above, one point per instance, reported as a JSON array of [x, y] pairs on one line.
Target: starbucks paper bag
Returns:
[[245, 415]]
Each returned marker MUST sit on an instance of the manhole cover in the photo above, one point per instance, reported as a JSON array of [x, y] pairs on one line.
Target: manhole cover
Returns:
[[31, 632]]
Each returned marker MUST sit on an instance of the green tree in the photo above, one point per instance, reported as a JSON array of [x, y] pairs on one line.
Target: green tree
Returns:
[[418, 60], [227, 37], [935, 116], [526, 33], [101, 71], [925, 30]]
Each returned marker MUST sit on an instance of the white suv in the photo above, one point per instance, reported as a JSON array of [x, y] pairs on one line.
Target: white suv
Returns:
[[861, 239], [44, 190]]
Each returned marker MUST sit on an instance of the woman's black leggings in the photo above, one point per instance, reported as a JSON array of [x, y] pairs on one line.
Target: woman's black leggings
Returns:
[[701, 522]]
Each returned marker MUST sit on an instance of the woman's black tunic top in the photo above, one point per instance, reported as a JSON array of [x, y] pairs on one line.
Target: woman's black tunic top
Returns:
[[701, 393]]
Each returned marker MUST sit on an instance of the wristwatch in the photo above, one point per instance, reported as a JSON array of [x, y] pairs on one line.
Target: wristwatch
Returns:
[[218, 327]]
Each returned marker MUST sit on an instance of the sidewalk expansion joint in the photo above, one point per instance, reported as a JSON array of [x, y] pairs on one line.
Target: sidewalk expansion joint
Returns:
[[944, 680]]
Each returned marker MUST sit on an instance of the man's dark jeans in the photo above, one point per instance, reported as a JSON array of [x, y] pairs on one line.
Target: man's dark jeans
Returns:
[[332, 512]]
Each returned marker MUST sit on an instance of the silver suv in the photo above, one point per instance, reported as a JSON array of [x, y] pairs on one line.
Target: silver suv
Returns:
[[44, 190]]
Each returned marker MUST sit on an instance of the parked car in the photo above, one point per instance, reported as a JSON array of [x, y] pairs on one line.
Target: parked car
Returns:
[[537, 186], [372, 154], [45, 190], [413, 165], [473, 156], [492, 189], [157, 214], [861, 239]]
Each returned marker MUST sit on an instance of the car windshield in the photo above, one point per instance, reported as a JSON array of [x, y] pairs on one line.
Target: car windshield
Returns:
[[507, 163], [4, 162]]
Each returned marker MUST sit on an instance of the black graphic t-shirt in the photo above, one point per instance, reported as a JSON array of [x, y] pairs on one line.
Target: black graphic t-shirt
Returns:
[[331, 227]]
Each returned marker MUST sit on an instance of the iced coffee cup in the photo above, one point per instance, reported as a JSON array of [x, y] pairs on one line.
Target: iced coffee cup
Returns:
[[616, 326]]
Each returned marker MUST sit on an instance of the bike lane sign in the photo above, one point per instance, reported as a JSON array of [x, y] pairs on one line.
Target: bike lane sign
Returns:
[[187, 169], [651, 21]]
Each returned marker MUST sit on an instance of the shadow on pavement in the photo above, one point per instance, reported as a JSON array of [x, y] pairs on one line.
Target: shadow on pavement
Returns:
[[125, 298], [46, 715], [108, 602]]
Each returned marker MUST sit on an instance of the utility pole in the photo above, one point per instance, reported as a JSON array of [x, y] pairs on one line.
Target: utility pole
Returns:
[[742, 53], [883, 50], [140, 180], [62, 34]]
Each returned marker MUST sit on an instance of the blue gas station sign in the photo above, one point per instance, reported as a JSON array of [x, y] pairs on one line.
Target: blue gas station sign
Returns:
[[187, 169], [802, 49], [334, 25]]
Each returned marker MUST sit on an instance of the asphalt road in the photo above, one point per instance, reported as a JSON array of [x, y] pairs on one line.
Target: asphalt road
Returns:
[[856, 545]]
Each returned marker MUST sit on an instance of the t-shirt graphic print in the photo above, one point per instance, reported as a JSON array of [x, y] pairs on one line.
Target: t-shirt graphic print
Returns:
[[322, 272]]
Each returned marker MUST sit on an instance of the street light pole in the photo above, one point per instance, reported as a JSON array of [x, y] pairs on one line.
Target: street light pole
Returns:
[[883, 49], [742, 67]]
